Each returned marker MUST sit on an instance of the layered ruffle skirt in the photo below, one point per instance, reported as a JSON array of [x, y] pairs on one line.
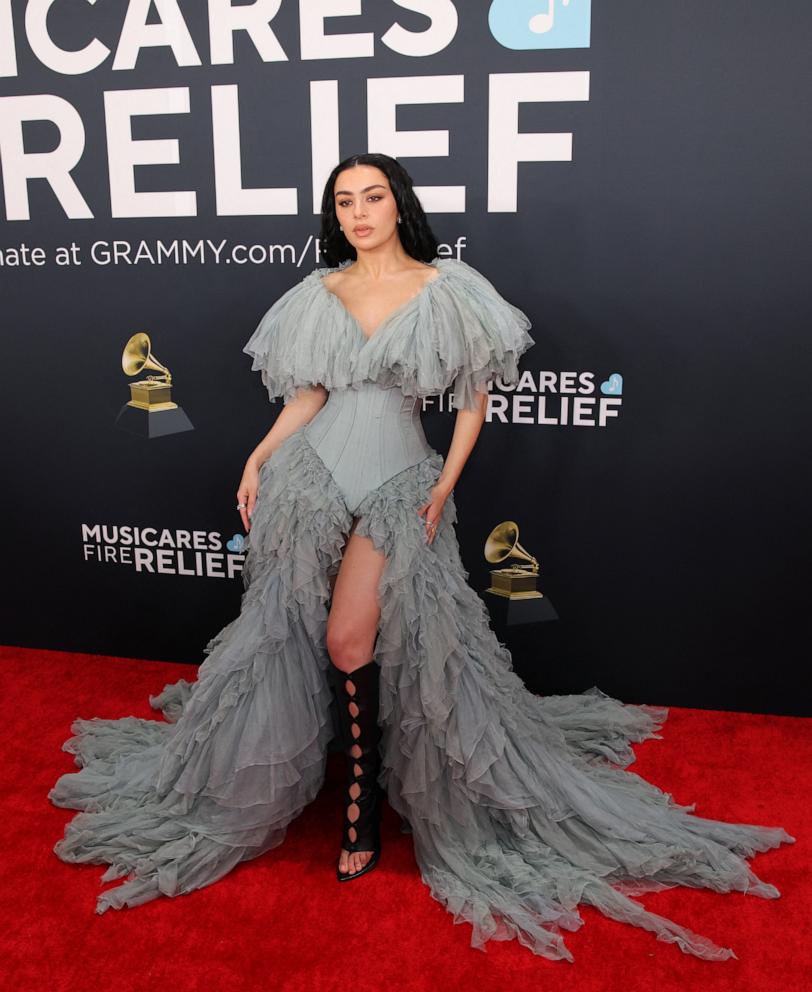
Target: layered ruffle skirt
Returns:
[[521, 806]]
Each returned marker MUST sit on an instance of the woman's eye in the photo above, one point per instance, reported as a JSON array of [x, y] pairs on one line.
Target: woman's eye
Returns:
[[347, 203]]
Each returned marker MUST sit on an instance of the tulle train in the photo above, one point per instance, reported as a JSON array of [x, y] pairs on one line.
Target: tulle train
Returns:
[[522, 807]]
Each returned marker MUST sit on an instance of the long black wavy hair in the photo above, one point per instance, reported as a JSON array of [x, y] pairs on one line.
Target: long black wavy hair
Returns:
[[415, 233]]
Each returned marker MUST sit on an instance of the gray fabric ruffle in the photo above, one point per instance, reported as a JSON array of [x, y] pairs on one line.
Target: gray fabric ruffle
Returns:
[[521, 806], [178, 805], [457, 332]]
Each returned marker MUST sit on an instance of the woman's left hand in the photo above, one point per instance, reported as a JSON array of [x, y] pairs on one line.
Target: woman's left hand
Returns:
[[433, 510]]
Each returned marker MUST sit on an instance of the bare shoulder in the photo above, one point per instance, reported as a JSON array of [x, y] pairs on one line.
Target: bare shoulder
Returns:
[[332, 280]]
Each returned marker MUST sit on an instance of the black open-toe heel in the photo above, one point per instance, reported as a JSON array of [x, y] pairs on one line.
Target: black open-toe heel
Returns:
[[357, 695]]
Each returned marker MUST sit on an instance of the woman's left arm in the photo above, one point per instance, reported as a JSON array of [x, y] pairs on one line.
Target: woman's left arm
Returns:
[[466, 431]]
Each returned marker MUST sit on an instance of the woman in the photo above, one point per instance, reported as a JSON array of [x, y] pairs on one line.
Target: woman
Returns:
[[520, 807]]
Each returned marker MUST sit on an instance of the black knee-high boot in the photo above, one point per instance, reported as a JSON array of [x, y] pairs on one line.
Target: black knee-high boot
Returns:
[[357, 697]]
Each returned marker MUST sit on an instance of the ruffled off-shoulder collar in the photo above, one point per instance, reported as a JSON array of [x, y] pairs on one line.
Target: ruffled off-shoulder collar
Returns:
[[456, 331]]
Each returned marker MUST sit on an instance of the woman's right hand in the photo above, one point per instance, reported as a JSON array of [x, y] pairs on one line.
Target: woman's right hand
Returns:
[[247, 493]]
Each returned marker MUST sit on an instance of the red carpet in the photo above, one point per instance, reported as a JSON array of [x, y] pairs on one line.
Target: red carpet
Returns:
[[284, 924]]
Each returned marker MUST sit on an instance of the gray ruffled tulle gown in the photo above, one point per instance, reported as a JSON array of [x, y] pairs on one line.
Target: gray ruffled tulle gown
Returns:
[[520, 806]]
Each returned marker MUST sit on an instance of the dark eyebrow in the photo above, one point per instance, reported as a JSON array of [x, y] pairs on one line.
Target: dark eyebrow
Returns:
[[366, 189]]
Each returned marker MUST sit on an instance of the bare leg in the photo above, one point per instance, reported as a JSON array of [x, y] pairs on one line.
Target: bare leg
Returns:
[[352, 626]]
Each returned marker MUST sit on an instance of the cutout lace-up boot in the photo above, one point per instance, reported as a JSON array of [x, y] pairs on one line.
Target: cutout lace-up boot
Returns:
[[357, 695]]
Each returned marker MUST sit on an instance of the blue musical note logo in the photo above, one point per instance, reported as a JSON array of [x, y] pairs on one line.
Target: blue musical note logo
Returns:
[[236, 544], [524, 24], [613, 386]]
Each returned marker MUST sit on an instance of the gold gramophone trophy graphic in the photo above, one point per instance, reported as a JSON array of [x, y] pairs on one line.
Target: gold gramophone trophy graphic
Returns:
[[150, 411], [516, 583]]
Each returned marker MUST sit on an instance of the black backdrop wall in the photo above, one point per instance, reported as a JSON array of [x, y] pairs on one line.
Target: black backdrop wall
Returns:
[[635, 178]]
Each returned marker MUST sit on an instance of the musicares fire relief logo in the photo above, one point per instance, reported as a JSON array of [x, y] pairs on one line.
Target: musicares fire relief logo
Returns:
[[556, 399], [164, 551]]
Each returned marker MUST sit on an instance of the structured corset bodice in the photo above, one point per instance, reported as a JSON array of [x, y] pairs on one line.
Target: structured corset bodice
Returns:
[[367, 434]]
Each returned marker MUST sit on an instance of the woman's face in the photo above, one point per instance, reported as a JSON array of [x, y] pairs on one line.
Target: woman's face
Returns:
[[365, 206]]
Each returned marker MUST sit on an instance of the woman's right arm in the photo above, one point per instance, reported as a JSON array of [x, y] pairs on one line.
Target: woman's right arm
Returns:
[[295, 414]]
